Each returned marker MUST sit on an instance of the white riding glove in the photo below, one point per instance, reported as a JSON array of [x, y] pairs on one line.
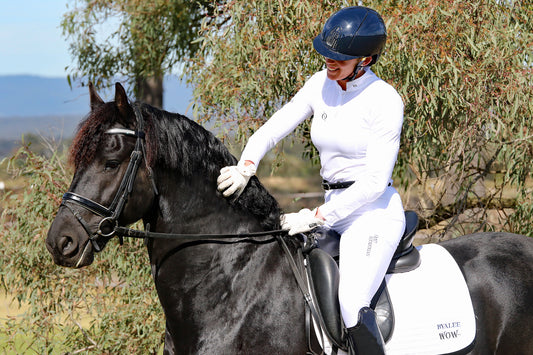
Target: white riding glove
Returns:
[[233, 179], [303, 221]]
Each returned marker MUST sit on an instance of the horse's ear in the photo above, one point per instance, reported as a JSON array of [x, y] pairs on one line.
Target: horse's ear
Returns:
[[122, 103], [96, 100]]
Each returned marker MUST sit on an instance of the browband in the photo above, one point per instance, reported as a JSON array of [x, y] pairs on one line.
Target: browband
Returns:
[[125, 131]]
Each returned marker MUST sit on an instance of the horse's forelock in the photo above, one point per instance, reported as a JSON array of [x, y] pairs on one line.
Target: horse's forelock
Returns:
[[90, 130]]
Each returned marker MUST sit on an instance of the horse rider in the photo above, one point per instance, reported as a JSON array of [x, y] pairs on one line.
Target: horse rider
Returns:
[[356, 126]]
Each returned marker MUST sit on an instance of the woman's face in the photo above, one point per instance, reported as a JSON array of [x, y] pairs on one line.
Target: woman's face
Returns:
[[340, 69]]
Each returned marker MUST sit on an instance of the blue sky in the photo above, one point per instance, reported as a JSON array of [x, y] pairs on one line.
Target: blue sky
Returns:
[[30, 38]]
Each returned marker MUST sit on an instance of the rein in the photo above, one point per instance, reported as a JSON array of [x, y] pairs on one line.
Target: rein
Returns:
[[135, 233]]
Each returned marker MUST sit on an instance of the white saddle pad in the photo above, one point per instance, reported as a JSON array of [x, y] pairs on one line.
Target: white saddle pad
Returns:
[[432, 308], [433, 312]]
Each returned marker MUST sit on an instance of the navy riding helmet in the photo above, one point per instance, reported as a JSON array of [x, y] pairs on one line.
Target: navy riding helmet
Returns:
[[352, 32]]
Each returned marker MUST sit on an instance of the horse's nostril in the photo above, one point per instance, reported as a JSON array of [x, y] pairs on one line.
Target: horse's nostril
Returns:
[[67, 246]]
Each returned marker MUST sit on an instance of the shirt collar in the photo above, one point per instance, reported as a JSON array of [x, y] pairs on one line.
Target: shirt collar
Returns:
[[361, 81]]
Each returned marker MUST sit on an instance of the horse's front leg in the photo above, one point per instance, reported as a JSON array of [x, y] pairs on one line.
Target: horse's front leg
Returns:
[[169, 344]]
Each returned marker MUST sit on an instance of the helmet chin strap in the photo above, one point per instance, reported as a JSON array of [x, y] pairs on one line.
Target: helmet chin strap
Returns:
[[355, 72]]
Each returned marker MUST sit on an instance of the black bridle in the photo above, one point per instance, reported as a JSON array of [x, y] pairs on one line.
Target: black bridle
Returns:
[[110, 216], [108, 226]]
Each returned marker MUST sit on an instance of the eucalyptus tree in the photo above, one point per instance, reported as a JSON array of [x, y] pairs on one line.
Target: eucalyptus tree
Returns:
[[463, 68], [138, 40]]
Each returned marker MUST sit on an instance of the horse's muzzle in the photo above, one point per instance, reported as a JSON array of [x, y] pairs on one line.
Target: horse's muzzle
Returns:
[[68, 243]]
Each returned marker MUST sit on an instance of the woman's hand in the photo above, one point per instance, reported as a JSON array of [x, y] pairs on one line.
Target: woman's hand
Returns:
[[303, 221], [233, 179]]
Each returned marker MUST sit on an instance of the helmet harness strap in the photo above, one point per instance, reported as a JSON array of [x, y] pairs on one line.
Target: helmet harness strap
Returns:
[[356, 70]]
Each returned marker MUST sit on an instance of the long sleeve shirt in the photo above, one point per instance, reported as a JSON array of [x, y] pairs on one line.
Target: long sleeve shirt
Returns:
[[356, 132]]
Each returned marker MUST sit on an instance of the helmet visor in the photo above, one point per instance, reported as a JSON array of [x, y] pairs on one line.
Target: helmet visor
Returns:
[[328, 52]]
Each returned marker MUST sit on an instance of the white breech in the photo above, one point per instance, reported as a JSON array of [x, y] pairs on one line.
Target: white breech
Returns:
[[369, 238]]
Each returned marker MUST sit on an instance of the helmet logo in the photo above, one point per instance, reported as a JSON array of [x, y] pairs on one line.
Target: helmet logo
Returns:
[[332, 38]]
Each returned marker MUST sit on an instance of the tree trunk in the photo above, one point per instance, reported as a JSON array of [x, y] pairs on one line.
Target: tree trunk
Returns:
[[150, 90]]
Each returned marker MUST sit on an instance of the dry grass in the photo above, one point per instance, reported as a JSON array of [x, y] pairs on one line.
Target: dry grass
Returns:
[[10, 307]]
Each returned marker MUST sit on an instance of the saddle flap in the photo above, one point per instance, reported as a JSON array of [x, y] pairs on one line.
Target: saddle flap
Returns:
[[324, 280]]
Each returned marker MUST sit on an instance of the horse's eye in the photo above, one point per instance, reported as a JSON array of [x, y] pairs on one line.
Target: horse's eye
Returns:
[[111, 165]]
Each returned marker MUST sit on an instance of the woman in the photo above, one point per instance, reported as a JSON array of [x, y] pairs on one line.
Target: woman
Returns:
[[357, 120]]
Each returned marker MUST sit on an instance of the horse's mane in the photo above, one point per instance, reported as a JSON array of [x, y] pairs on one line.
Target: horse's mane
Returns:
[[176, 143]]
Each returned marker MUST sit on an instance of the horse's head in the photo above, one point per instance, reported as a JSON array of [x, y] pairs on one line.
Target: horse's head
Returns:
[[111, 183]]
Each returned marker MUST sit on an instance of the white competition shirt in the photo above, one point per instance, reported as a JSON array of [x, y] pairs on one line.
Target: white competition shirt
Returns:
[[356, 132]]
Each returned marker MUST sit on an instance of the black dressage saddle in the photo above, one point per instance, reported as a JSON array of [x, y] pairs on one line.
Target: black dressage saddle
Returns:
[[322, 259]]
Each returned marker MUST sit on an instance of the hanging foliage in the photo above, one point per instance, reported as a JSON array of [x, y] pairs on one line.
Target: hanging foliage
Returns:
[[463, 69]]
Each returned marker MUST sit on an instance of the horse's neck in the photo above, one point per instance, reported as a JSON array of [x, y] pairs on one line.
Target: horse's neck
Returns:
[[190, 202], [238, 288], [207, 286], [194, 206]]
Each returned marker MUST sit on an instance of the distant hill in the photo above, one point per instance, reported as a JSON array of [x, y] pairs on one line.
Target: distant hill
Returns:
[[25, 96], [57, 126], [49, 107], [42, 105]]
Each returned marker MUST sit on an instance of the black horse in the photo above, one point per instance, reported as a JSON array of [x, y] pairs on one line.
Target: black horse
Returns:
[[236, 295]]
